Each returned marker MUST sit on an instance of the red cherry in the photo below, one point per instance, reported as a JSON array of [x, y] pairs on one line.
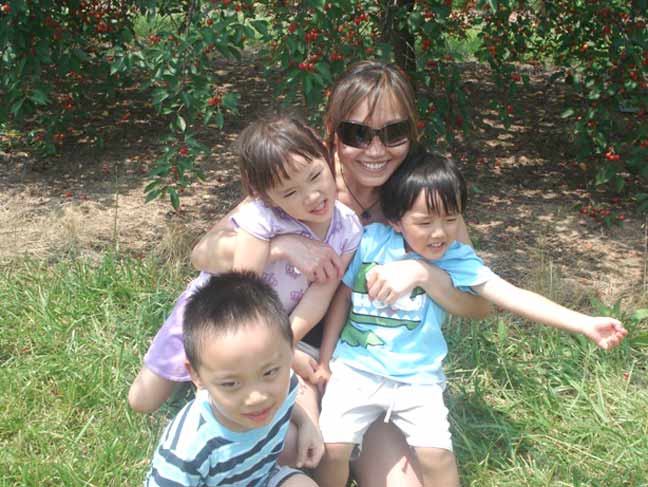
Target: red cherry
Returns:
[[420, 124], [509, 109], [183, 151], [302, 66], [6, 8]]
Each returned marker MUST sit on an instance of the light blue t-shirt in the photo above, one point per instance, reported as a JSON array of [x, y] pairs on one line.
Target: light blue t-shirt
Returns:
[[197, 450], [402, 341]]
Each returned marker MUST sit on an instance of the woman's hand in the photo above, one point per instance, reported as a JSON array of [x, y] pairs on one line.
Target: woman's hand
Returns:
[[388, 282], [316, 260]]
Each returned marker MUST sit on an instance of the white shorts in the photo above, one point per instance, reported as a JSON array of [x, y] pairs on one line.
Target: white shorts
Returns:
[[354, 399]]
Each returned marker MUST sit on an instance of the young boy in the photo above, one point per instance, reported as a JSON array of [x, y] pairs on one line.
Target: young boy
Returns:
[[239, 348], [388, 359]]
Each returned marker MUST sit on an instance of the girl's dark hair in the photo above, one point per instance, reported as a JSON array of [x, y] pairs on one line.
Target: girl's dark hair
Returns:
[[370, 80], [432, 172], [266, 148], [226, 303]]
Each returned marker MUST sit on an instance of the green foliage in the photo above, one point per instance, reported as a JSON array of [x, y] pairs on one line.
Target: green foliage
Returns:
[[58, 54]]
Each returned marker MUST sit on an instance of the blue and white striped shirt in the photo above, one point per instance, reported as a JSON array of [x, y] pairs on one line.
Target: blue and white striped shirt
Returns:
[[196, 450]]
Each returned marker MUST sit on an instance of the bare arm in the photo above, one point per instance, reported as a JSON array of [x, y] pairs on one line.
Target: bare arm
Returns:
[[310, 446], [334, 322], [606, 332], [438, 285], [390, 281], [314, 303], [251, 253], [215, 251], [316, 260]]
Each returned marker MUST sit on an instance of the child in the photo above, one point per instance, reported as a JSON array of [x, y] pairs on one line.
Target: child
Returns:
[[239, 348], [286, 169], [388, 357]]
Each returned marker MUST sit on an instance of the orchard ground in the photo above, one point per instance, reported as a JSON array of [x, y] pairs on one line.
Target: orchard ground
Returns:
[[523, 211]]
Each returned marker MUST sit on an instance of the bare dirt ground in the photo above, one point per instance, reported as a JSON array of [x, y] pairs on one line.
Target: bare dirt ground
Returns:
[[521, 215]]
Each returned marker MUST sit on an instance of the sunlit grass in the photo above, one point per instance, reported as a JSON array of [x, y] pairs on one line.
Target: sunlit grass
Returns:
[[529, 406]]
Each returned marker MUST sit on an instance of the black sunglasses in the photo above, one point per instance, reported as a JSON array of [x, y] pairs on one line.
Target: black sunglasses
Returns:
[[360, 136]]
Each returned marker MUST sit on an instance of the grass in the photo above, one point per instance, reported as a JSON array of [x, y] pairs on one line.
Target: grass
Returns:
[[529, 406]]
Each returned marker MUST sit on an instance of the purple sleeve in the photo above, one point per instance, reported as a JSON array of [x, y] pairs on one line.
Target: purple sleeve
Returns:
[[256, 219]]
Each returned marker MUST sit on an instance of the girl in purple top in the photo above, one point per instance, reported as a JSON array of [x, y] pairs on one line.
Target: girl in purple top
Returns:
[[287, 172]]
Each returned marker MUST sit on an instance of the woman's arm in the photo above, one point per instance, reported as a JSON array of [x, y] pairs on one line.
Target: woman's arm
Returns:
[[390, 281], [215, 251], [606, 332], [316, 260], [251, 253]]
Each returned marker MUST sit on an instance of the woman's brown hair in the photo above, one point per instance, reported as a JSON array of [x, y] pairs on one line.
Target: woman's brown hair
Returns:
[[370, 80]]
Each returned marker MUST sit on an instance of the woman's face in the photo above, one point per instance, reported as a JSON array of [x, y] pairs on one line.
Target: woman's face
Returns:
[[372, 165]]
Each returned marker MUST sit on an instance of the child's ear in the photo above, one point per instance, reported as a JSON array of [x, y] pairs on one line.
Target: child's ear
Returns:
[[396, 226], [195, 378]]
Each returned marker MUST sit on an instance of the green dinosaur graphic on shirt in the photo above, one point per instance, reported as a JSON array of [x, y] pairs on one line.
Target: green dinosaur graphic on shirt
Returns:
[[355, 337]]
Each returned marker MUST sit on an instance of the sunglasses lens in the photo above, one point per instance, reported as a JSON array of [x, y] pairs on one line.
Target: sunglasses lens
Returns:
[[354, 134], [395, 134]]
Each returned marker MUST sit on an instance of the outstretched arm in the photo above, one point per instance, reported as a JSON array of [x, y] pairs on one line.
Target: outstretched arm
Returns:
[[605, 332], [390, 281]]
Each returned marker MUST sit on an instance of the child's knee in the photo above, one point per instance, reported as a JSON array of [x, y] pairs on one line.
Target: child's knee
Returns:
[[438, 464], [299, 480], [149, 391], [138, 401], [338, 453]]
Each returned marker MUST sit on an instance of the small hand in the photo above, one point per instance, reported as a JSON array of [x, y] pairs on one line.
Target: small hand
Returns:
[[316, 260], [321, 377], [310, 446], [390, 281], [606, 332], [305, 366]]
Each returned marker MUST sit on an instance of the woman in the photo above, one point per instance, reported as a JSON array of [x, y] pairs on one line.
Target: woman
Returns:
[[370, 127]]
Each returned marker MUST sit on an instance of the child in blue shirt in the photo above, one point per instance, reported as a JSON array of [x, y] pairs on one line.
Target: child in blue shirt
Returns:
[[239, 347], [387, 353]]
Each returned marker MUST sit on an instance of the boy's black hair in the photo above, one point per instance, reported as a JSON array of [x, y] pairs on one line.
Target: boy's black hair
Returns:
[[226, 303], [422, 170]]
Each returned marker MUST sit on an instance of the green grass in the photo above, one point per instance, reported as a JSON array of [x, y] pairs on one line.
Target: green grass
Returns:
[[529, 406]]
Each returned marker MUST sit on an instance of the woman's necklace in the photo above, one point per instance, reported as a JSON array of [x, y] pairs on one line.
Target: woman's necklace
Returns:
[[365, 215]]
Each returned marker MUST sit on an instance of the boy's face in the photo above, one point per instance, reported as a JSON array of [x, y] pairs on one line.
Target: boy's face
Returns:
[[247, 374], [425, 232], [308, 193]]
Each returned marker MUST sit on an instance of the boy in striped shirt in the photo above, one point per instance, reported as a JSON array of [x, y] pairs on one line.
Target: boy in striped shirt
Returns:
[[239, 348]]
